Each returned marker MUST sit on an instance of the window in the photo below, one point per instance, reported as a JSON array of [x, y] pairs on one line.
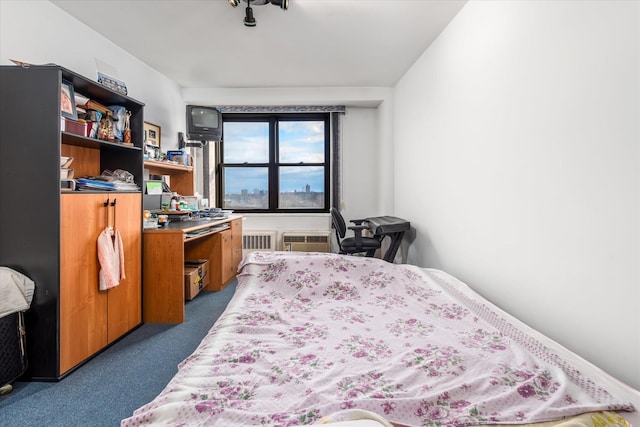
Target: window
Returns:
[[274, 163]]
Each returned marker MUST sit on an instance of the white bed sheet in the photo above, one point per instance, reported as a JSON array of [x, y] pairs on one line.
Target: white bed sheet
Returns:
[[587, 368], [282, 290]]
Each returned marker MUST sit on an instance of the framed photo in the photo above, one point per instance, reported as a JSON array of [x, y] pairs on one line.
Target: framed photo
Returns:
[[67, 100], [152, 134]]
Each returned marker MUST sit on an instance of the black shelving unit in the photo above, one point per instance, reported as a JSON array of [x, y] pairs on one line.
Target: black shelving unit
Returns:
[[30, 149]]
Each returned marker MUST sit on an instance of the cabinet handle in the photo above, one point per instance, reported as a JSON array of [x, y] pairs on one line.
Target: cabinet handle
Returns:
[[113, 205], [106, 205]]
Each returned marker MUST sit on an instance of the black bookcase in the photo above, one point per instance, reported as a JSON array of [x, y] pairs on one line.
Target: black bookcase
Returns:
[[30, 212]]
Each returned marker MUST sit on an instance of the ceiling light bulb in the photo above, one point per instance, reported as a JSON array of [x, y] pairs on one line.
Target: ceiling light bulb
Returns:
[[234, 3]]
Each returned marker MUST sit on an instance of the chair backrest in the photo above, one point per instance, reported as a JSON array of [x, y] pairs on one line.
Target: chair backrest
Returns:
[[338, 224]]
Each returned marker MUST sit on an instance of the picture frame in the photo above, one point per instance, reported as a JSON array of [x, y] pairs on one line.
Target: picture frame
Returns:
[[67, 100], [152, 134]]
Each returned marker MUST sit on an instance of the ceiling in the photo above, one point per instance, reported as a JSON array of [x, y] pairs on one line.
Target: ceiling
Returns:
[[315, 43]]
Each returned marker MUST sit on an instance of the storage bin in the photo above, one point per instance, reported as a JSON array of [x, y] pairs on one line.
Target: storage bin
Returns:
[[74, 126], [13, 356]]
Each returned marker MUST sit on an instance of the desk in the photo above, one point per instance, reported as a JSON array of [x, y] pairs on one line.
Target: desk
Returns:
[[164, 251], [382, 226]]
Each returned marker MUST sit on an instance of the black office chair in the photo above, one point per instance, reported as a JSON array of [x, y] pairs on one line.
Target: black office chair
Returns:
[[358, 243]]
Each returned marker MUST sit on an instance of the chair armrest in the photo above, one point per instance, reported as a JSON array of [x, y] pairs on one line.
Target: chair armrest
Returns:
[[357, 233], [357, 221]]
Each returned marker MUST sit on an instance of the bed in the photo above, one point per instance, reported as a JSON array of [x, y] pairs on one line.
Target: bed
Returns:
[[311, 338]]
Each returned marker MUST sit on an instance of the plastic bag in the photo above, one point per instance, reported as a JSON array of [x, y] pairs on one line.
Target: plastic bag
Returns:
[[119, 118]]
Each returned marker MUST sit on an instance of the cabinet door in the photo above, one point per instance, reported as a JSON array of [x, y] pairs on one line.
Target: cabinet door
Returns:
[[236, 244], [226, 258], [83, 307], [124, 308], [221, 259]]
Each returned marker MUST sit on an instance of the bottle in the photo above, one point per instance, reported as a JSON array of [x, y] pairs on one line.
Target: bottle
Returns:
[[174, 202]]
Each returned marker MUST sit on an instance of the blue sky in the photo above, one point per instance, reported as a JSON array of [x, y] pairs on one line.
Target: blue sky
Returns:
[[299, 142]]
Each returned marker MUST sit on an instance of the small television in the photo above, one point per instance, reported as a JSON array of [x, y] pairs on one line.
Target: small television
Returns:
[[203, 123]]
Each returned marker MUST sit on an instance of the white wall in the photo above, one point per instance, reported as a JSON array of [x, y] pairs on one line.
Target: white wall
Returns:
[[518, 162], [63, 40]]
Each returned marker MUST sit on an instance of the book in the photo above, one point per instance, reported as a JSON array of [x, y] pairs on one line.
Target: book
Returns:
[[84, 183], [94, 105]]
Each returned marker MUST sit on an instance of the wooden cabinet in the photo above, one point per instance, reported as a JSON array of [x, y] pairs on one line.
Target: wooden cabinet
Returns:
[[51, 235], [228, 244], [90, 319]]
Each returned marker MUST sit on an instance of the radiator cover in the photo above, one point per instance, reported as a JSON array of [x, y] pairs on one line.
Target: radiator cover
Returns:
[[259, 240]]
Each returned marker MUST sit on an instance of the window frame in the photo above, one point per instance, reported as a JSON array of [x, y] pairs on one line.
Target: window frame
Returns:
[[274, 165]]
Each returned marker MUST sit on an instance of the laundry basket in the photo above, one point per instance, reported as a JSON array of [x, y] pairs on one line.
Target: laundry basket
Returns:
[[16, 292]]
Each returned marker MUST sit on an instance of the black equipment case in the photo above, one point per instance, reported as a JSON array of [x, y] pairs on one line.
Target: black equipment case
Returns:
[[13, 356]]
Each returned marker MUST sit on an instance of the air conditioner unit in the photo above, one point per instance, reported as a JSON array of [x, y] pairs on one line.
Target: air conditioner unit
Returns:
[[306, 241], [258, 241]]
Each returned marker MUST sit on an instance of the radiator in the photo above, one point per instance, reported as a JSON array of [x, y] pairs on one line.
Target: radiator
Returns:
[[306, 241], [258, 241]]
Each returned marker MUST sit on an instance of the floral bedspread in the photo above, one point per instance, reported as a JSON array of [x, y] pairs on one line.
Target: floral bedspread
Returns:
[[308, 335]]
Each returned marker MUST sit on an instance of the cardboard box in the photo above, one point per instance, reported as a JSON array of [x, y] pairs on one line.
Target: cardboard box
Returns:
[[203, 264], [192, 282], [196, 277]]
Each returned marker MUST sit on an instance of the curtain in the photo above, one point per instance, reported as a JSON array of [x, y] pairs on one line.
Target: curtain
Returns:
[[336, 154], [282, 109]]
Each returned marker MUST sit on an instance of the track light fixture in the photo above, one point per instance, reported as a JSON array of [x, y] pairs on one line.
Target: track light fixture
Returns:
[[249, 19]]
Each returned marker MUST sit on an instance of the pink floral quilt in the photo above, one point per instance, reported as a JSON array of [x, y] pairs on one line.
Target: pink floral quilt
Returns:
[[308, 335]]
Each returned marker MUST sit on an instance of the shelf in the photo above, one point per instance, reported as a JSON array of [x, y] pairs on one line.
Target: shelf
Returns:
[[107, 192], [94, 90], [153, 164], [83, 141]]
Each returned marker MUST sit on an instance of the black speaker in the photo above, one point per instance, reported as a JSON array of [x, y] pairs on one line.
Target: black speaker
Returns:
[[181, 142]]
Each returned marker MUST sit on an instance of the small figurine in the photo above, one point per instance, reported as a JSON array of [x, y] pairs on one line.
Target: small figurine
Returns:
[[127, 129], [104, 126]]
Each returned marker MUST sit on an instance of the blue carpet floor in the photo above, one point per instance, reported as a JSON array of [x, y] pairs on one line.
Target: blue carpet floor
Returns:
[[122, 378]]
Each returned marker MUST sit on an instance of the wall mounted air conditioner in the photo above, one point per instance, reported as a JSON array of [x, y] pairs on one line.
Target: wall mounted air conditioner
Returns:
[[306, 241]]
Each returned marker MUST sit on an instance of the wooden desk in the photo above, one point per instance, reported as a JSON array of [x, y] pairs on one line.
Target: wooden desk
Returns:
[[164, 251]]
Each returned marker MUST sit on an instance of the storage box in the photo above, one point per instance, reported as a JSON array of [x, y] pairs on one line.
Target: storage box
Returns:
[[192, 282], [191, 201], [73, 126], [177, 156], [196, 277]]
